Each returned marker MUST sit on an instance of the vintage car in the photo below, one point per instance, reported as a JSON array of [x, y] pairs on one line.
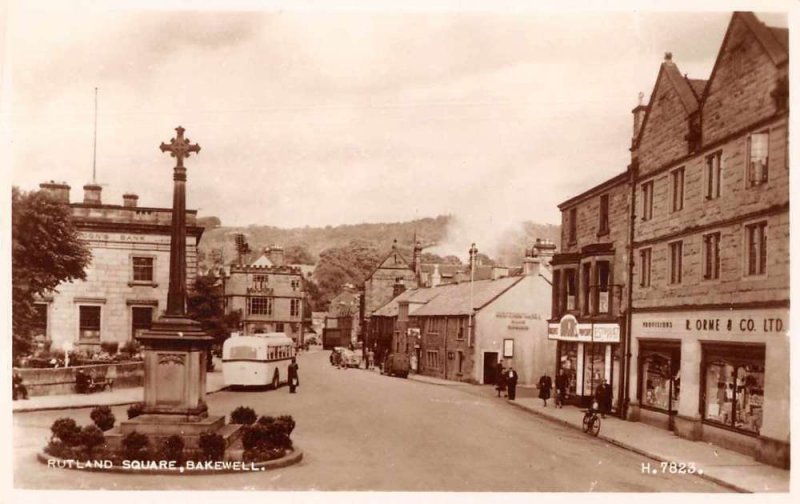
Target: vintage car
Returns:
[[396, 364], [349, 357]]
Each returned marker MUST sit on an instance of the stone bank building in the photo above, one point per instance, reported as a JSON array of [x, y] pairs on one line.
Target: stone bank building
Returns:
[[710, 299], [128, 279]]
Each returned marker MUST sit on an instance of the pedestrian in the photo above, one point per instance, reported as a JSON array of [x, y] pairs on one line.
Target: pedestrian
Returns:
[[561, 388], [370, 359], [413, 363], [545, 385], [603, 397], [19, 390], [511, 382], [294, 379], [501, 379]]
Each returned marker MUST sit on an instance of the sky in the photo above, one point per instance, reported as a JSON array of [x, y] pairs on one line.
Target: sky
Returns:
[[325, 116]]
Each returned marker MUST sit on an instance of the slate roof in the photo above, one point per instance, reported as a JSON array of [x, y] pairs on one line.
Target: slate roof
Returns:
[[454, 299], [698, 86], [770, 38], [681, 86], [392, 308]]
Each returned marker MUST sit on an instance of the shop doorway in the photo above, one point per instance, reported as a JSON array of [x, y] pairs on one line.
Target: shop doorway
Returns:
[[490, 368]]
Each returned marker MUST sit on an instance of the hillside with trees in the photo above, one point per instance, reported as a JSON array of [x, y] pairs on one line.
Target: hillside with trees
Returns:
[[347, 253]]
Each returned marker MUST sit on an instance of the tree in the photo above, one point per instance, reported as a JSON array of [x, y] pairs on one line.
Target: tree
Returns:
[[46, 251], [340, 265], [205, 306], [297, 254]]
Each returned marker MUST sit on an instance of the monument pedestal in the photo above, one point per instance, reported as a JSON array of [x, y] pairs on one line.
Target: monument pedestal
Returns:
[[175, 353]]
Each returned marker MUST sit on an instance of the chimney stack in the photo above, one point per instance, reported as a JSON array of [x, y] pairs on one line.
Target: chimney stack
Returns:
[[544, 250], [275, 255], [91, 194], [59, 190], [638, 116], [436, 277], [130, 200]]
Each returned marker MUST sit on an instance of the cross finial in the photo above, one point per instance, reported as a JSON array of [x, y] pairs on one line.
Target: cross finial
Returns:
[[180, 147]]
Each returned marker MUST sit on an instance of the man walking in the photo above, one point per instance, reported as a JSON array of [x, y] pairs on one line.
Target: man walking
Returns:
[[294, 380], [511, 382], [561, 388]]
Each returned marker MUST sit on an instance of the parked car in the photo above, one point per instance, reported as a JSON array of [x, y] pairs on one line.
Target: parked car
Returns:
[[396, 364], [349, 357]]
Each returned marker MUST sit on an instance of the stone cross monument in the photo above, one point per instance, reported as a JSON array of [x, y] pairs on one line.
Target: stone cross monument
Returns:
[[175, 347]]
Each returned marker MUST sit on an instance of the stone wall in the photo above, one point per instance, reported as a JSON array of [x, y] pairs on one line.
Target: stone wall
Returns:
[[57, 381]]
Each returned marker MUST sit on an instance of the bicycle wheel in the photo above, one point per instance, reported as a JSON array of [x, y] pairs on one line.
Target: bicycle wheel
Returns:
[[586, 422], [595, 427]]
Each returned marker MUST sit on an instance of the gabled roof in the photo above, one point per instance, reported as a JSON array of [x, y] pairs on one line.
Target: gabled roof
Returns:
[[775, 42], [698, 86], [393, 251], [454, 299]]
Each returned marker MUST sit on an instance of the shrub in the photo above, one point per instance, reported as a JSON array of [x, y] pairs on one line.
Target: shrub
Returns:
[[110, 347], [266, 420], [212, 446], [103, 418], [135, 410], [67, 431], [61, 450], [135, 446], [254, 436], [92, 437], [266, 436], [171, 449], [262, 455], [131, 347], [289, 422], [243, 416]]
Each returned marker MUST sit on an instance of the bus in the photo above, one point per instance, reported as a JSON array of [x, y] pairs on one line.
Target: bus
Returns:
[[257, 360]]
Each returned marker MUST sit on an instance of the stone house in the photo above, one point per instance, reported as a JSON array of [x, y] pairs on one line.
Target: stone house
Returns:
[[128, 279], [269, 294], [710, 282], [590, 289]]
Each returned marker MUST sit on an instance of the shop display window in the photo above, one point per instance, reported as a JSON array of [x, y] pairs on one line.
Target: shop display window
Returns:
[[734, 393], [569, 363], [594, 367], [660, 385]]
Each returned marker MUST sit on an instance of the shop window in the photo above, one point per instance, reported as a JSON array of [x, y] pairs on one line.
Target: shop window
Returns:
[[594, 367], [647, 200], [756, 253], [603, 225], [711, 256], [713, 175], [259, 306], [573, 225], [757, 159], [568, 362], [89, 328], [142, 269], [660, 379], [645, 262], [141, 319], [675, 262], [734, 389], [677, 178]]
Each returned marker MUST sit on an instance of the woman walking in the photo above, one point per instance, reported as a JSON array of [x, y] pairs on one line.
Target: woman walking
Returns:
[[545, 385]]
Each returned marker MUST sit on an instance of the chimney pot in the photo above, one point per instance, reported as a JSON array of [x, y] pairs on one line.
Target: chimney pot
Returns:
[[668, 56], [59, 190], [91, 194], [130, 200]]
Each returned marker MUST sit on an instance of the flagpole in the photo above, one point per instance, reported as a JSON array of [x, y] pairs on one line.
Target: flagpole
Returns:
[[94, 150]]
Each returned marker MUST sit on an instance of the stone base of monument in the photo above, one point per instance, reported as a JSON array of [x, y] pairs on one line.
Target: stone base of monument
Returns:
[[158, 427]]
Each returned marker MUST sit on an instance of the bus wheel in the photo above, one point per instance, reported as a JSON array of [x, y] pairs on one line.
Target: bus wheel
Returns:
[[275, 380]]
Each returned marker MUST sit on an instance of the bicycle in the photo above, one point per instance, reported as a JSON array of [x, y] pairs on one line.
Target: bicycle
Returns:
[[591, 422]]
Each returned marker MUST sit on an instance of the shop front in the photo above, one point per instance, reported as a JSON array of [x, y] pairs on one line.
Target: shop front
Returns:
[[589, 355], [719, 376]]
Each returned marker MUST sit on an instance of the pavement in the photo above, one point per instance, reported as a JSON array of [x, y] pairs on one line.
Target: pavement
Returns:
[[730, 469]]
